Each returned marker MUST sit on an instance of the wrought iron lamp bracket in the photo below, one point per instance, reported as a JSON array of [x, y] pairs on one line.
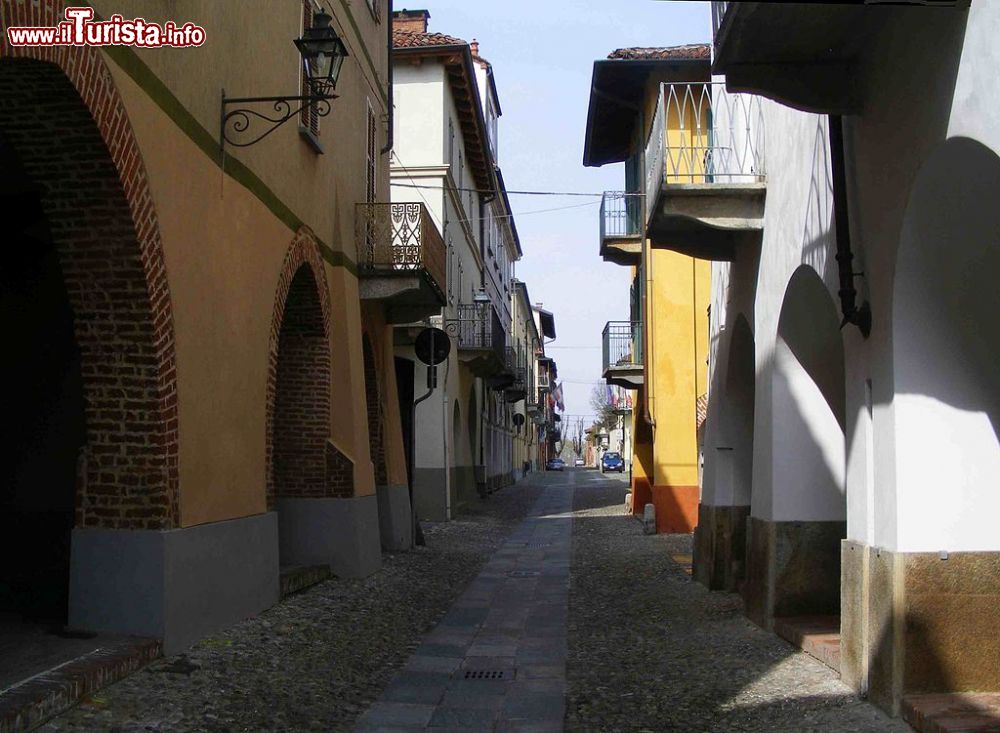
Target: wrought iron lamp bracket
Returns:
[[239, 126]]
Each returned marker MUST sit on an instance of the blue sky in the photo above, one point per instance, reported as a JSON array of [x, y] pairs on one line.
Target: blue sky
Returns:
[[542, 53]]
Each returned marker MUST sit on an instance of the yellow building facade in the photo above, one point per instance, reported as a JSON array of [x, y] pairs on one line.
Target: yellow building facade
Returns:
[[228, 405], [663, 350]]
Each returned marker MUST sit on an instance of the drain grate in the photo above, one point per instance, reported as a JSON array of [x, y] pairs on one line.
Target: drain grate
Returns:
[[488, 674], [523, 574]]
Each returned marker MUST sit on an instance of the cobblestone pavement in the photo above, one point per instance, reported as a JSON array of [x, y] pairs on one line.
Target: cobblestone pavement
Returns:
[[318, 660], [649, 650], [610, 635], [497, 661]]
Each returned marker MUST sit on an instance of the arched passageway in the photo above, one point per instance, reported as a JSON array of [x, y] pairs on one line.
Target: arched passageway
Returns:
[[720, 538], [798, 517], [945, 411], [299, 409], [90, 436]]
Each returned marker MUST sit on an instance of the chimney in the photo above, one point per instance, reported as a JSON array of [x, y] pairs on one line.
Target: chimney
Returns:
[[475, 48], [414, 21]]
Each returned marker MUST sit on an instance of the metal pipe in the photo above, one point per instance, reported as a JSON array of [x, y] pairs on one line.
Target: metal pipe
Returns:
[[860, 316], [390, 111]]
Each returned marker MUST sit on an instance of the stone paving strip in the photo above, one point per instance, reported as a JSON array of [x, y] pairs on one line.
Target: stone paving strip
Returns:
[[497, 661], [30, 703], [316, 661]]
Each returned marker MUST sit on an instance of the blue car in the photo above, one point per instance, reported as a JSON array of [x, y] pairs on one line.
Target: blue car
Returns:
[[612, 462], [555, 464]]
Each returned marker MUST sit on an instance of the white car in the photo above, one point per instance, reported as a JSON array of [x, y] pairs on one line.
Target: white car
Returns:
[[578, 463]]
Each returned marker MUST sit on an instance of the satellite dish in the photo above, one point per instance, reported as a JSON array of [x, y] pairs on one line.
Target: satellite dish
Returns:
[[432, 346]]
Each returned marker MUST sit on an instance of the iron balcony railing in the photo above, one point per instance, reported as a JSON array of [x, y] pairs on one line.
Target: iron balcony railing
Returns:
[[477, 327], [621, 215], [622, 344], [703, 134], [400, 238]]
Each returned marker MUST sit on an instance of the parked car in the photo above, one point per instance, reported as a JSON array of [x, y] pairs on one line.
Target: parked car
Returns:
[[612, 462], [579, 463], [555, 464]]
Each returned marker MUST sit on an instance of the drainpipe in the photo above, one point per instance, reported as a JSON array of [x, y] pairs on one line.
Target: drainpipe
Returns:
[[390, 112], [860, 316]]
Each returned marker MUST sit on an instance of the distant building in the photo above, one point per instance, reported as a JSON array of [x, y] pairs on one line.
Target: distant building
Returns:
[[462, 444]]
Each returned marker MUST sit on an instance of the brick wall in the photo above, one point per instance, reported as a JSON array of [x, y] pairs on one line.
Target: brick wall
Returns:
[[301, 460], [62, 115], [302, 396], [376, 418]]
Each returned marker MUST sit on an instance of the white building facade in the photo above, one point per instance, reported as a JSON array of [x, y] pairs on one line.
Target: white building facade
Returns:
[[851, 448], [446, 111]]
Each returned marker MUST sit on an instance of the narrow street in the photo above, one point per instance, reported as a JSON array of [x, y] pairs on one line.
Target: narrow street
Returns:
[[575, 621]]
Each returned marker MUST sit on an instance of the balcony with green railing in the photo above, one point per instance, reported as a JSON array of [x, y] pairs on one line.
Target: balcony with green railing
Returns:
[[622, 354], [622, 227]]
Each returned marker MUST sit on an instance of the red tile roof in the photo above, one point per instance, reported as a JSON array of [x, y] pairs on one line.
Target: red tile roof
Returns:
[[692, 51], [416, 39]]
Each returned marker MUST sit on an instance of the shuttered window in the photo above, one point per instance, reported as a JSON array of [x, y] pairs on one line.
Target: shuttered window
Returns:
[[308, 117]]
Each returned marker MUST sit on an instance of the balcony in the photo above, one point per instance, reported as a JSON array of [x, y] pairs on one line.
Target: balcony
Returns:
[[517, 390], [804, 55], [705, 171], [480, 339], [622, 346], [621, 227], [401, 260]]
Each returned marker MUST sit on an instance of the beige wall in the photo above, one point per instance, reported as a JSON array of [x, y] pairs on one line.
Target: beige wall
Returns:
[[224, 246]]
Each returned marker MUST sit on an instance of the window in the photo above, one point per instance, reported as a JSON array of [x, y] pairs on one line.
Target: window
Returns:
[[452, 260], [451, 141], [371, 156]]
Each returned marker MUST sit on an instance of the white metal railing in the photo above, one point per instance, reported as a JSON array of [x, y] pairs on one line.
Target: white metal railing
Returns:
[[703, 134]]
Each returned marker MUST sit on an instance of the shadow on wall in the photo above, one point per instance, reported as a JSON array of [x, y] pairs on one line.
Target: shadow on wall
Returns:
[[946, 336]]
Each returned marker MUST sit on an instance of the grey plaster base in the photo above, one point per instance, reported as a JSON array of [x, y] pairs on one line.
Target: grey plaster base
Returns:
[[430, 494], [395, 522], [176, 585], [341, 533]]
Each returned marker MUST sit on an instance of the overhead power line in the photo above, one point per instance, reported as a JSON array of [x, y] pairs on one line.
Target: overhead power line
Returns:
[[486, 192]]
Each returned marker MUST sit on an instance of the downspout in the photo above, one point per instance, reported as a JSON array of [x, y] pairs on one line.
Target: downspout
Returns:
[[860, 316], [391, 105]]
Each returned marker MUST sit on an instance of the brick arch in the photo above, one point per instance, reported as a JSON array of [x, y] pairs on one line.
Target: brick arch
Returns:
[[376, 414], [298, 377], [65, 121]]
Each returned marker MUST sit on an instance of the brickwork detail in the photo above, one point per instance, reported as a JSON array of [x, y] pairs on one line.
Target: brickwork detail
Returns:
[[63, 117], [376, 413], [339, 473], [298, 389]]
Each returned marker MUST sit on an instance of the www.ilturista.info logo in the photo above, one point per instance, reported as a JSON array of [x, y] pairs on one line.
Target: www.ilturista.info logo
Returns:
[[79, 29]]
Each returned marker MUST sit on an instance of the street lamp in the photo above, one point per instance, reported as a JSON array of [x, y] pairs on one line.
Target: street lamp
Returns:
[[323, 53]]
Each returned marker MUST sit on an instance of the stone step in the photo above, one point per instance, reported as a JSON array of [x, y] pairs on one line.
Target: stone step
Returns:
[[958, 712], [30, 703], [298, 578], [817, 636]]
